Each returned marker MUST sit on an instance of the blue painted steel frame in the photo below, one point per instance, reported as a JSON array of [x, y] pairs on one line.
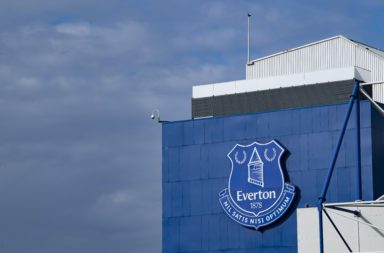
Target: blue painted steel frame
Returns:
[[354, 98], [358, 148]]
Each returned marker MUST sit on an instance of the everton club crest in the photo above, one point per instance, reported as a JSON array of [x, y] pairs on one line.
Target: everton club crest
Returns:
[[257, 194]]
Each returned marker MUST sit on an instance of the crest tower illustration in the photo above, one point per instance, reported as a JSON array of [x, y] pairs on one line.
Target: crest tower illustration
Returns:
[[255, 169]]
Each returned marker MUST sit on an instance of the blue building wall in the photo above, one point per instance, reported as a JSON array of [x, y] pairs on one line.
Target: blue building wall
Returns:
[[196, 169], [377, 153]]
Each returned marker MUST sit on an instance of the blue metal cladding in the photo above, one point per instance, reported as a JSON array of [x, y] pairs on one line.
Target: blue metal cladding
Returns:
[[377, 153], [196, 169]]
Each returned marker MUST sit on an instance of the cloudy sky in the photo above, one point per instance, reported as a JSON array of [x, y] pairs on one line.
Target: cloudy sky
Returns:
[[80, 158]]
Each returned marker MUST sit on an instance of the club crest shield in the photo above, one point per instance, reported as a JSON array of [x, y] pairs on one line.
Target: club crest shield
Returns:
[[257, 194]]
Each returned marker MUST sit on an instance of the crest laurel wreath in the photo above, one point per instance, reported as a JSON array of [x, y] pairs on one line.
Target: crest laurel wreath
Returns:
[[244, 157], [273, 156]]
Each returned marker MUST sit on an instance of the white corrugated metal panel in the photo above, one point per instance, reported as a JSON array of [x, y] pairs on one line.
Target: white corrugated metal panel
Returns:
[[375, 50], [362, 74], [369, 60], [308, 230], [333, 53], [363, 234], [347, 227], [371, 237], [378, 92]]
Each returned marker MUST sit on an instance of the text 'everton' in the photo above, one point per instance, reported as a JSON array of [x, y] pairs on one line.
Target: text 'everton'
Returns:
[[243, 196]]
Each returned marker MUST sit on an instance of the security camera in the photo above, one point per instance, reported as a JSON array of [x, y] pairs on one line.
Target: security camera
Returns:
[[153, 116]]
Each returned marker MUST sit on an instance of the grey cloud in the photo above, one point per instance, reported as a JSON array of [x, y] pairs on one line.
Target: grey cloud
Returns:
[[80, 159]]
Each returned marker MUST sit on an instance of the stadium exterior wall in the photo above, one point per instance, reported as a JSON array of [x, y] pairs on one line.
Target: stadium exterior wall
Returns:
[[195, 169]]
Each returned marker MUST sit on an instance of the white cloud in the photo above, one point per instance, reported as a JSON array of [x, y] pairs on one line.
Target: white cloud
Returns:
[[28, 83], [81, 29]]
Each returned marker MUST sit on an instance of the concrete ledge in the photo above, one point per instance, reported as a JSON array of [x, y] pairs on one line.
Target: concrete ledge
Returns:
[[244, 86]]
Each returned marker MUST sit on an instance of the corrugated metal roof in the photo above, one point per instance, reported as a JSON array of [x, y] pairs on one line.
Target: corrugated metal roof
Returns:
[[375, 50], [329, 54]]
